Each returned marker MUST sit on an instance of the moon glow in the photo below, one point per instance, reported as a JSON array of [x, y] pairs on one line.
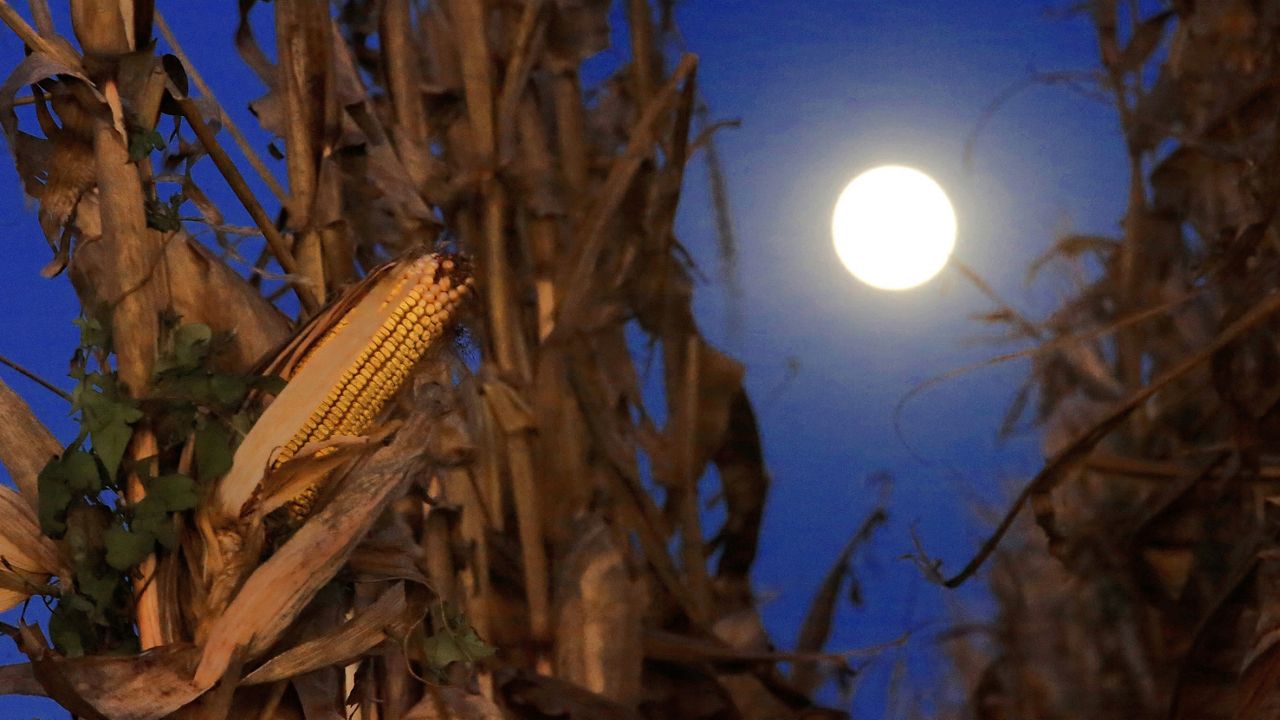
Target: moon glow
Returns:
[[894, 227]]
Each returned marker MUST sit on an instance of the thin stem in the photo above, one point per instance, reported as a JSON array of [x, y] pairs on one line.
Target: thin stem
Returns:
[[306, 294], [25, 32], [241, 142], [37, 379]]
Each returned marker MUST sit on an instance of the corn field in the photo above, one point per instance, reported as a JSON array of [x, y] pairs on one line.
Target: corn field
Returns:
[[1146, 587], [383, 454]]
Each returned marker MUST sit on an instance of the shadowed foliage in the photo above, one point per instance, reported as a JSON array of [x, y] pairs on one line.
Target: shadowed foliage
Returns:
[[509, 532], [1147, 587]]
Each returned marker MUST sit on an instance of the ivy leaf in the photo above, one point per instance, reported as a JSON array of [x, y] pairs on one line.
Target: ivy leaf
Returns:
[[99, 589], [107, 415], [270, 384], [126, 549], [93, 334], [166, 495], [110, 441], [77, 602], [457, 641], [174, 493], [241, 423], [228, 390], [163, 217], [191, 344], [157, 524], [213, 450], [447, 647], [54, 497], [142, 140], [67, 632], [62, 479], [78, 469]]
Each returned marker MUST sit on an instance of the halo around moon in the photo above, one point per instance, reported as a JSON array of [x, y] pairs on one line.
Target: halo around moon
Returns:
[[894, 227]]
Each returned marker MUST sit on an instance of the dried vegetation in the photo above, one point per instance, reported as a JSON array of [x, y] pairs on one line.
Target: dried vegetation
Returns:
[[516, 536], [1149, 588]]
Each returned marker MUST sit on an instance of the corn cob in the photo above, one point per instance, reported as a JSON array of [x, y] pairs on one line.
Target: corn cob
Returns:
[[354, 357], [383, 365]]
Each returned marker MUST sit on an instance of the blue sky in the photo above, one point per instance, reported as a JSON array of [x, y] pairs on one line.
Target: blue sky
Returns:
[[824, 89]]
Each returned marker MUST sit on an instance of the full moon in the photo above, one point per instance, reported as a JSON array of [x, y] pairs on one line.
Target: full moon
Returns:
[[894, 227]]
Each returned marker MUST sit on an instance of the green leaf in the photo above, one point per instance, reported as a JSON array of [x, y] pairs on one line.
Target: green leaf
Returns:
[[67, 632], [126, 549], [109, 444], [142, 140], [191, 344], [270, 384], [174, 492], [158, 524], [241, 423], [79, 603], [107, 414], [213, 450], [441, 649], [474, 647], [164, 216], [228, 390], [62, 479], [93, 333], [100, 588], [457, 641], [54, 499], [82, 473]]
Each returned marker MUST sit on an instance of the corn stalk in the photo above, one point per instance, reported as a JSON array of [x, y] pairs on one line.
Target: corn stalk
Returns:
[[1147, 587], [405, 531]]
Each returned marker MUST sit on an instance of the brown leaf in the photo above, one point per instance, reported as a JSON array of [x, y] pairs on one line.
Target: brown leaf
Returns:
[[1146, 37], [20, 679], [281, 587], [552, 697], [135, 687], [450, 703], [816, 628], [599, 608], [370, 626], [26, 445]]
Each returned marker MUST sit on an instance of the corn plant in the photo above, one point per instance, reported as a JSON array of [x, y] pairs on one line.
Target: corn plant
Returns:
[[384, 453]]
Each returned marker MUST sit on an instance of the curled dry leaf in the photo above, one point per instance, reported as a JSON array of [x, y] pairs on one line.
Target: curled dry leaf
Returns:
[[532, 695], [280, 588], [449, 703], [26, 445], [149, 686], [384, 620], [27, 557], [599, 613]]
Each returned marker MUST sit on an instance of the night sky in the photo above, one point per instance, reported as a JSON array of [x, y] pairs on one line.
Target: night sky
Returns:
[[824, 89]]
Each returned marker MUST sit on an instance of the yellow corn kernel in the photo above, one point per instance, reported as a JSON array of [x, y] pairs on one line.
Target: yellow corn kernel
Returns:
[[410, 327]]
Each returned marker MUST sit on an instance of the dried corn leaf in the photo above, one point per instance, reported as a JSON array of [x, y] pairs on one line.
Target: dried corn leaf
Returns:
[[312, 463], [816, 628], [384, 620], [26, 445], [448, 703], [149, 686], [599, 610], [20, 679], [531, 695], [278, 590], [27, 557]]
